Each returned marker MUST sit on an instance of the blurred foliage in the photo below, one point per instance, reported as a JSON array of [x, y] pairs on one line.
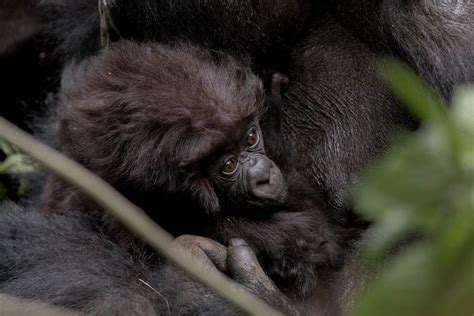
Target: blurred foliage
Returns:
[[14, 168], [421, 201]]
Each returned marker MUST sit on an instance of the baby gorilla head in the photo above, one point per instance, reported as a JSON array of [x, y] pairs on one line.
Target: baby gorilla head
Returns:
[[175, 121]]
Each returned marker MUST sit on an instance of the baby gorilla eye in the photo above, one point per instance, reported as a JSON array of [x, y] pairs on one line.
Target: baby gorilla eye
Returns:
[[230, 166], [252, 137]]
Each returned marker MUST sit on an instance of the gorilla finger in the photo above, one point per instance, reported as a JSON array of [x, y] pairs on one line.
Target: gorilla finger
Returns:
[[202, 247], [245, 268], [196, 253]]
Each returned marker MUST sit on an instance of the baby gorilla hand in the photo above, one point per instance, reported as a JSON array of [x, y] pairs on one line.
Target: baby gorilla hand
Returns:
[[245, 269], [207, 252], [240, 263]]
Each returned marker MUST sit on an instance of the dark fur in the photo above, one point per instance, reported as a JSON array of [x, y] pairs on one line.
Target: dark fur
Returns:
[[321, 109], [136, 114], [98, 275], [434, 37], [263, 30], [26, 67], [337, 115]]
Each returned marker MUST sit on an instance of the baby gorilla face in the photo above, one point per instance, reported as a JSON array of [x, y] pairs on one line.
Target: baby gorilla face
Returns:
[[178, 122], [246, 180]]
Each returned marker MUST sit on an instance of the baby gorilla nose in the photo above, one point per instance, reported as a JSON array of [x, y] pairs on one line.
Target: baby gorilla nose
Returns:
[[266, 180], [262, 178]]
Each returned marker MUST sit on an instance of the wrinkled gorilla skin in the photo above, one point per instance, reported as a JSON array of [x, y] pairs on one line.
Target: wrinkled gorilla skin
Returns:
[[337, 116], [334, 99], [435, 37]]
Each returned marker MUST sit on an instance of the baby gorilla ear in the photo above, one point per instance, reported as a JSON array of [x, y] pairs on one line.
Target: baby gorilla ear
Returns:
[[207, 197]]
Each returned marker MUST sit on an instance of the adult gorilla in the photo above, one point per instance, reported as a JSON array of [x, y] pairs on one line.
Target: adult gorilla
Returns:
[[335, 106], [337, 115]]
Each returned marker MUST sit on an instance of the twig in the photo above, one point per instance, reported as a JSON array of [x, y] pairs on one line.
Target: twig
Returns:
[[20, 307]]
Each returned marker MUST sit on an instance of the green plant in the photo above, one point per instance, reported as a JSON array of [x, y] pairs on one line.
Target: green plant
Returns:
[[421, 200], [14, 166]]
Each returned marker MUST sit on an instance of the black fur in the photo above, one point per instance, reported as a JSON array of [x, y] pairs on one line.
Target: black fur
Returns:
[[143, 130], [138, 129], [27, 71], [336, 114], [433, 37], [98, 276], [264, 30]]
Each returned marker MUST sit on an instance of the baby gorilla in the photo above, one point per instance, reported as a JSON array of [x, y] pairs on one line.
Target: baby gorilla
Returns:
[[176, 129]]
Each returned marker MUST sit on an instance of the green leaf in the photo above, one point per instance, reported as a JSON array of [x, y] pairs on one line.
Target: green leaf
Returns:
[[412, 91], [424, 187]]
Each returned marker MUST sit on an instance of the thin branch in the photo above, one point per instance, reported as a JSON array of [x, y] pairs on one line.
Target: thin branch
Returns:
[[15, 306], [131, 216]]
